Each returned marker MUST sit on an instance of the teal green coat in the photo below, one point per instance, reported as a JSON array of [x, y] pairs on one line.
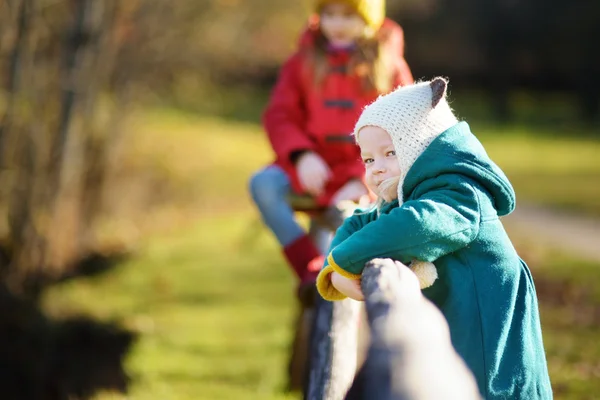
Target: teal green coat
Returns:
[[454, 195]]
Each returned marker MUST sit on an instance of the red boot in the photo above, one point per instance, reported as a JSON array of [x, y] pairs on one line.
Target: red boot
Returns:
[[299, 254]]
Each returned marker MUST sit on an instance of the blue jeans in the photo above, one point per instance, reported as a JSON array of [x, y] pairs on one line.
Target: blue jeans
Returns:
[[269, 188]]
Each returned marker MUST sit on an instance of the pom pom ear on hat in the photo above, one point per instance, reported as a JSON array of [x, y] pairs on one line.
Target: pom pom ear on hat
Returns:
[[438, 90], [425, 271]]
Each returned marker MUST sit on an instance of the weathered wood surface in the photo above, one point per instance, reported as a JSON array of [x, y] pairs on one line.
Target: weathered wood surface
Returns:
[[333, 354], [334, 338], [410, 356]]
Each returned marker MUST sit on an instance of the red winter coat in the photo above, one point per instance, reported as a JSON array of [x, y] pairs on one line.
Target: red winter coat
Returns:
[[300, 117]]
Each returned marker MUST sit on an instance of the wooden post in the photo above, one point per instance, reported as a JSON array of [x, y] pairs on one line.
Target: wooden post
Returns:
[[333, 355], [335, 334]]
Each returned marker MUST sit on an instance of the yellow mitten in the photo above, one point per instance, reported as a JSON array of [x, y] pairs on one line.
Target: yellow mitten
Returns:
[[325, 288], [425, 272]]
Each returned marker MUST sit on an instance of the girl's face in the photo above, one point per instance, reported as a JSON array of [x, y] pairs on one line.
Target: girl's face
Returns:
[[379, 156], [340, 24]]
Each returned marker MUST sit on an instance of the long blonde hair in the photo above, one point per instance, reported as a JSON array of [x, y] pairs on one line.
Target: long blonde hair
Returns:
[[390, 187], [368, 60]]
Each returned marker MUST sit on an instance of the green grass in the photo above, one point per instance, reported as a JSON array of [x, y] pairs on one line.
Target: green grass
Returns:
[[214, 316], [569, 297], [208, 290], [546, 167]]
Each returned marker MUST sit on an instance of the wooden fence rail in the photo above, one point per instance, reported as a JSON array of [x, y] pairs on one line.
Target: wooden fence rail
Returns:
[[409, 356]]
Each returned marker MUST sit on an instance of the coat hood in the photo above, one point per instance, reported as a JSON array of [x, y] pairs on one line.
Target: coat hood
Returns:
[[458, 151]]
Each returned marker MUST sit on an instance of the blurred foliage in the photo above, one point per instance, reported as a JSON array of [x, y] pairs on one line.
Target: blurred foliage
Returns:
[[494, 46], [69, 70], [190, 44], [58, 122]]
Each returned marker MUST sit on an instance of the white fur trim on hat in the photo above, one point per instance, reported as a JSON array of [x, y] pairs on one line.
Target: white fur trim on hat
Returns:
[[413, 116]]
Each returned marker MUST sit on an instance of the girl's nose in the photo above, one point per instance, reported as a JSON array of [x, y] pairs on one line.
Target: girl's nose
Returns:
[[379, 167]]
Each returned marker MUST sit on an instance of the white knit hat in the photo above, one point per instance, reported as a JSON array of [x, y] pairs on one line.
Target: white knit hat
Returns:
[[413, 116]]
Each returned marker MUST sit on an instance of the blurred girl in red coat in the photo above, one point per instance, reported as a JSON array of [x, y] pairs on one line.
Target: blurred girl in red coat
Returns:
[[349, 54]]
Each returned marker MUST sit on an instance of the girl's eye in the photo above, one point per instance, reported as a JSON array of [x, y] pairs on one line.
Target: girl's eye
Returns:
[[327, 12], [367, 160], [390, 153]]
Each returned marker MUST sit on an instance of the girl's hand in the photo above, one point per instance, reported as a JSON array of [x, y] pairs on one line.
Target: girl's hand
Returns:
[[353, 190], [348, 287], [313, 173]]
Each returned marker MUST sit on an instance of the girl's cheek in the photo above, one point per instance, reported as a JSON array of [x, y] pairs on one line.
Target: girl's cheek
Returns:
[[371, 185]]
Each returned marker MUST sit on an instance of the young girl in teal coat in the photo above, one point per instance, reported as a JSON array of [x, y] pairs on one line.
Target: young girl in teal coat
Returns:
[[441, 197]]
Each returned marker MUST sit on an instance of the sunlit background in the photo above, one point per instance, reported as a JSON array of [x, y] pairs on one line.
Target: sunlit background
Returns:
[[131, 256]]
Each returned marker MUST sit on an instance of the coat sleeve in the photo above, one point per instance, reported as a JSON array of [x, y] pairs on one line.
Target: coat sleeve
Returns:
[[324, 286], [443, 219], [284, 118]]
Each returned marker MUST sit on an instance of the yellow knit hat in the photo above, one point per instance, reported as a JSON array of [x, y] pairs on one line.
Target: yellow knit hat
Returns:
[[372, 11]]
